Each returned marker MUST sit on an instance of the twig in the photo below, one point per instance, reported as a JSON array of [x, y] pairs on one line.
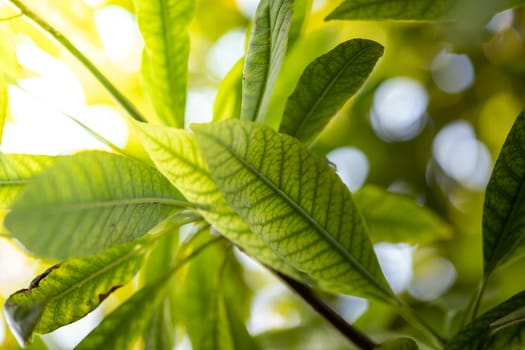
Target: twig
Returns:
[[361, 340]]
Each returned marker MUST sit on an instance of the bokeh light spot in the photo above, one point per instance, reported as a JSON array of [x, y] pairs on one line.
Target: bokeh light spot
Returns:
[[396, 263], [399, 109], [351, 165], [452, 73], [225, 52]]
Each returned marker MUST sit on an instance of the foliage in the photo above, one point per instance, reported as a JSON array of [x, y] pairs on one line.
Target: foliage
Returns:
[[185, 210]]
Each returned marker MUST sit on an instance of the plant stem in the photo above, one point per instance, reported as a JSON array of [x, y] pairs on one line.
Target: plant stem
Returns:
[[58, 36], [361, 340]]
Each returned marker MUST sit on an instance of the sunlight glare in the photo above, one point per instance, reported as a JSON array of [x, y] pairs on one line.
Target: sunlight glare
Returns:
[[120, 35]]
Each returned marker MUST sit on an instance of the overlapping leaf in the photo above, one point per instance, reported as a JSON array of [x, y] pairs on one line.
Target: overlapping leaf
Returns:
[[177, 156], [164, 27], [395, 218], [504, 207], [300, 16], [498, 328], [121, 329], [16, 171], [228, 101], [294, 201], [423, 10], [326, 84], [266, 50], [68, 291], [89, 202]]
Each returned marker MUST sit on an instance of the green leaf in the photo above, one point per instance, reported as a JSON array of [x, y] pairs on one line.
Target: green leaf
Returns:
[[228, 101], [499, 328], [177, 156], [211, 278], [294, 201], [392, 9], [395, 218], [399, 344], [264, 57], [164, 27], [504, 207], [301, 13], [89, 202], [68, 291], [16, 171], [326, 84], [122, 329], [160, 335], [421, 10]]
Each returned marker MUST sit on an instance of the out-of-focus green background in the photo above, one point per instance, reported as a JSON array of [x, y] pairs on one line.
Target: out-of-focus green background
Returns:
[[429, 123]]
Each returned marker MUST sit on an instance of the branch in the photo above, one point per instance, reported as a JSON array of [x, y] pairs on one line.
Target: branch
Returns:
[[361, 340], [58, 36]]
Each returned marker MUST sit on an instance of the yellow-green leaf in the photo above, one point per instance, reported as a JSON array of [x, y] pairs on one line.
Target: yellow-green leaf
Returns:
[[399, 344], [228, 101], [164, 26], [68, 291], [16, 171], [392, 217], [89, 202], [295, 203], [177, 156], [264, 57], [326, 84]]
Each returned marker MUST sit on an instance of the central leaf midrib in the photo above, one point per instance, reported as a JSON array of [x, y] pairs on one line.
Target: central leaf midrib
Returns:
[[319, 228]]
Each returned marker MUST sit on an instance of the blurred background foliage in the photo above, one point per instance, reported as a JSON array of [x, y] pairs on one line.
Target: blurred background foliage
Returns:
[[429, 123]]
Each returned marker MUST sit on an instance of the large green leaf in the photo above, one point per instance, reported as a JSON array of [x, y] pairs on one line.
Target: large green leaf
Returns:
[[423, 10], [89, 202], [16, 171], [395, 218], [504, 207], [326, 84], [68, 291], [264, 57], [164, 27], [177, 156], [294, 201], [502, 327], [3, 103], [228, 101], [122, 329]]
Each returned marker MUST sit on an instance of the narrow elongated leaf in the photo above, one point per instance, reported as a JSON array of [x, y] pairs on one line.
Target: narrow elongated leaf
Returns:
[[294, 201], [164, 26], [228, 101], [266, 50], [395, 218], [301, 13], [89, 202], [504, 207], [420, 10], [487, 331], [177, 156], [399, 344], [326, 84], [16, 171], [121, 329], [68, 291]]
